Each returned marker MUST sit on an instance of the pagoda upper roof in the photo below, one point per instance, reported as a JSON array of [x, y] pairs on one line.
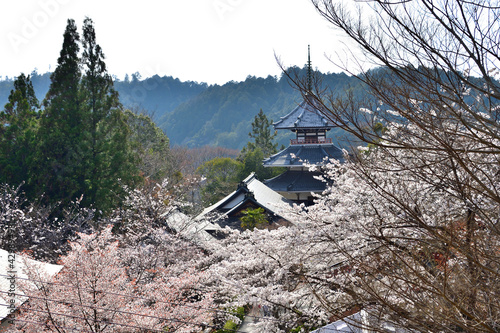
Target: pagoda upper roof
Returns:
[[298, 155], [304, 116]]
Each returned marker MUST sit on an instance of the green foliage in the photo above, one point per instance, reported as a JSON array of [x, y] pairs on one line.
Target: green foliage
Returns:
[[262, 136], [260, 148], [229, 327], [18, 125], [297, 329], [252, 162], [152, 147], [379, 129], [302, 329], [239, 312], [83, 137], [253, 218], [109, 162], [60, 161], [222, 176]]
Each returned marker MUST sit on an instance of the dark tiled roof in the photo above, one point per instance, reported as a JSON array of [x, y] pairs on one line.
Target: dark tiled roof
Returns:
[[297, 155], [303, 116], [296, 181]]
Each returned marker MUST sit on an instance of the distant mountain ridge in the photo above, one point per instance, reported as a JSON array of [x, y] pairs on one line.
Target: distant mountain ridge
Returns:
[[196, 114], [222, 115], [156, 95]]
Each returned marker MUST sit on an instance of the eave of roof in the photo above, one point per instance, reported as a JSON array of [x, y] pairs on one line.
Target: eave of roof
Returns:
[[297, 182], [304, 116], [299, 155], [261, 195]]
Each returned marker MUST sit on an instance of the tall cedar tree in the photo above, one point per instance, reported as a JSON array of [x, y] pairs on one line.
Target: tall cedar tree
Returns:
[[17, 132], [84, 148], [60, 173], [109, 163]]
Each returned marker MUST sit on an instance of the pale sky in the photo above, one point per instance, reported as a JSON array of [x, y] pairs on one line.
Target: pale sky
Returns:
[[211, 41]]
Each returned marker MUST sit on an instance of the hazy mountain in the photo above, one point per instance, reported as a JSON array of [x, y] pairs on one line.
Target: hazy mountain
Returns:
[[156, 95], [222, 115], [196, 114]]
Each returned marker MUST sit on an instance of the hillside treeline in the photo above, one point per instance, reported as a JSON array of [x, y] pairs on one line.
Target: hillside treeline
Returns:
[[195, 114]]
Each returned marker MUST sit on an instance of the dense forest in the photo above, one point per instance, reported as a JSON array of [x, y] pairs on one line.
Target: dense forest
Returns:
[[196, 114]]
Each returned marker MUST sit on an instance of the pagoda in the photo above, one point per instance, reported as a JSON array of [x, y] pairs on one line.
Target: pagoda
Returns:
[[310, 147]]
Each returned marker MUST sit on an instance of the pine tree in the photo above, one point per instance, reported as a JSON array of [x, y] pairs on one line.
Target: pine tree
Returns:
[[262, 135], [260, 148], [61, 126], [84, 149]]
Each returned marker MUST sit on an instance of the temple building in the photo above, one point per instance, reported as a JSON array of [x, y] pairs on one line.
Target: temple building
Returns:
[[310, 147], [297, 184]]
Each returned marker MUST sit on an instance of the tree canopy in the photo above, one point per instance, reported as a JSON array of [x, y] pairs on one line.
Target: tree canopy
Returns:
[[221, 176], [76, 145], [60, 135], [18, 127], [260, 146]]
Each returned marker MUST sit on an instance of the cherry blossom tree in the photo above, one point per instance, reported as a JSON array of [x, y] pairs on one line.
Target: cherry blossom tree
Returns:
[[33, 226], [259, 268], [403, 235], [97, 292], [134, 275], [416, 213], [409, 231], [418, 240]]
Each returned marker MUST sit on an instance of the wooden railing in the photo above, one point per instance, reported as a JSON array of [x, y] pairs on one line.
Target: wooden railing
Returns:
[[309, 141]]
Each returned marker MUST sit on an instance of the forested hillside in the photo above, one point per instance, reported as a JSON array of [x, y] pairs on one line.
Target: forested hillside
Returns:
[[195, 114], [156, 95], [222, 115]]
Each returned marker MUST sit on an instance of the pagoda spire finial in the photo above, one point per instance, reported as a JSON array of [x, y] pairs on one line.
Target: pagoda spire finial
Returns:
[[309, 69]]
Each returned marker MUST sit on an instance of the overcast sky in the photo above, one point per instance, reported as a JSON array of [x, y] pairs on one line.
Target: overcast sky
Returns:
[[211, 41]]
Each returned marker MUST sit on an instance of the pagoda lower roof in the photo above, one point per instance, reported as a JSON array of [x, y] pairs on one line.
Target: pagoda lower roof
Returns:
[[299, 155], [297, 181]]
